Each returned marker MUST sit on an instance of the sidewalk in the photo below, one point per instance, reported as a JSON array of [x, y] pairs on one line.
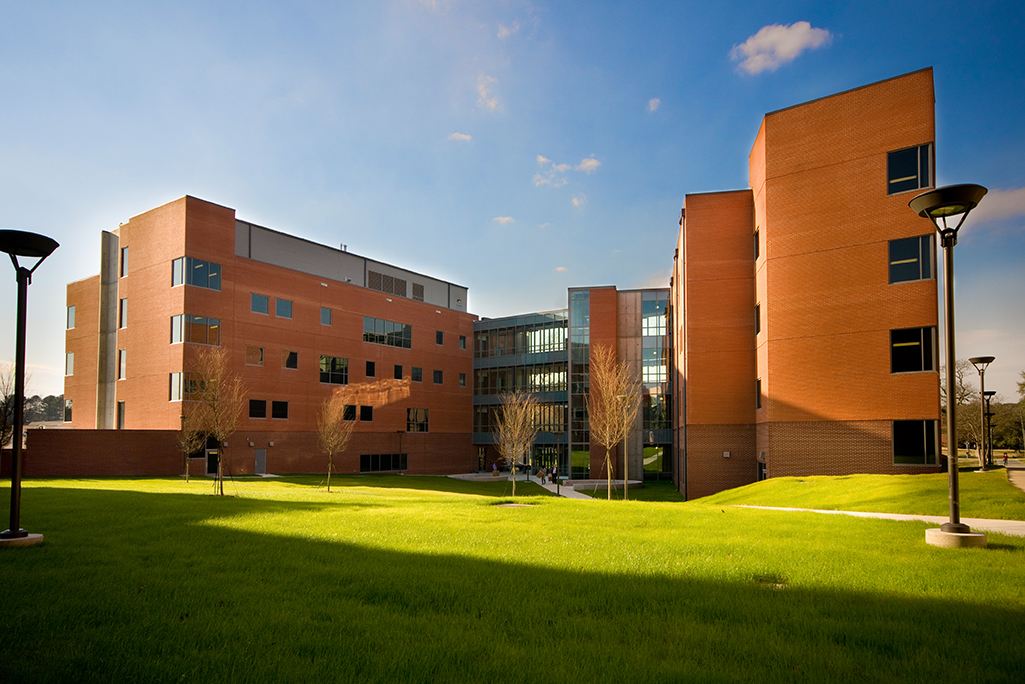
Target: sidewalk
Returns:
[[567, 492]]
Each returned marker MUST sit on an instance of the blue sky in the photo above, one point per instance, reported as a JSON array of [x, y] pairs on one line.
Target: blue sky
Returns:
[[517, 148]]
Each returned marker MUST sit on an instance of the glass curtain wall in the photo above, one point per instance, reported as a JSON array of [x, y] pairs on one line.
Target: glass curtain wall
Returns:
[[656, 348], [580, 369]]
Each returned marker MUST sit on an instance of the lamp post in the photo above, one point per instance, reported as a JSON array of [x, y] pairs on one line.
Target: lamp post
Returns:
[[18, 243], [988, 394], [937, 205], [981, 363]]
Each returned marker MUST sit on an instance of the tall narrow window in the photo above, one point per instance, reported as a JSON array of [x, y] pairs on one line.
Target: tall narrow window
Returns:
[[122, 364], [398, 372], [120, 415], [439, 377], [69, 363], [122, 313], [758, 319], [325, 316], [758, 393], [758, 247], [124, 261], [462, 341], [439, 337], [371, 369], [67, 410], [71, 317]]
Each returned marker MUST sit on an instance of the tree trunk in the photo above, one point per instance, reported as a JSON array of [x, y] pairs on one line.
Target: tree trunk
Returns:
[[329, 474]]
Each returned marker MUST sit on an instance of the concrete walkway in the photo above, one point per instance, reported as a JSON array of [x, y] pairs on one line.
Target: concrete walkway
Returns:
[[566, 492]]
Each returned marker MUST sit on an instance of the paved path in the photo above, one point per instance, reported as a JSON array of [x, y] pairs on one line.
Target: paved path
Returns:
[[1015, 527], [564, 491]]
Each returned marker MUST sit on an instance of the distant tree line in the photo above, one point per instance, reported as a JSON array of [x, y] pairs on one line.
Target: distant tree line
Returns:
[[1007, 421]]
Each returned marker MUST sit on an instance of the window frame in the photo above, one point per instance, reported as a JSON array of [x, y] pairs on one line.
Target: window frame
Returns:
[[254, 297], [926, 342], [258, 409], [439, 377], [926, 259], [279, 410], [283, 308], [923, 162], [289, 359], [260, 349], [325, 313], [930, 441]]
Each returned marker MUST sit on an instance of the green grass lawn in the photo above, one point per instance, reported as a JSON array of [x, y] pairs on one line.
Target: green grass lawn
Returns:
[[983, 495], [410, 579]]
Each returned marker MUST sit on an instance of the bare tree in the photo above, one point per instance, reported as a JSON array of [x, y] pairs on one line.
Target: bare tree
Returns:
[[222, 396], [517, 428], [333, 428], [6, 403], [191, 436], [612, 405]]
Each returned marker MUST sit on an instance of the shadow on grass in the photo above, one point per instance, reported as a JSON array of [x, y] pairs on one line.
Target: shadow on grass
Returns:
[[118, 596]]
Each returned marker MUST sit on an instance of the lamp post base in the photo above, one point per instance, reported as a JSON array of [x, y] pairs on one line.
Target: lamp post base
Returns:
[[955, 540], [24, 540]]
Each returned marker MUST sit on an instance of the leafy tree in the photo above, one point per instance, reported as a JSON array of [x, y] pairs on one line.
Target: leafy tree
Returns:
[[335, 428], [221, 398], [612, 405], [517, 428]]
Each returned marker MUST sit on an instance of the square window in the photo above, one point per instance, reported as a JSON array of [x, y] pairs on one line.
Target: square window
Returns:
[[257, 408], [416, 420], [71, 317], [289, 359], [325, 316], [334, 370], [462, 379], [439, 377], [371, 369], [439, 337], [279, 410], [908, 169], [418, 374], [462, 341], [254, 355], [915, 442], [260, 304], [349, 413], [912, 350], [398, 372], [911, 259], [283, 308], [366, 413]]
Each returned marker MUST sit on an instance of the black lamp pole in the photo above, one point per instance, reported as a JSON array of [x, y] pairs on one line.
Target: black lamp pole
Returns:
[[936, 205], [989, 425], [981, 363], [18, 243]]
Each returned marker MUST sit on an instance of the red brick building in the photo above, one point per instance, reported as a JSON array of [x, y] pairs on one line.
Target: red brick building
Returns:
[[805, 308], [297, 319]]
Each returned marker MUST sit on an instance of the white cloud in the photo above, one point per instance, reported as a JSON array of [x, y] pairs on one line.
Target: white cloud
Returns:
[[776, 45], [560, 269], [548, 179], [486, 99], [561, 168], [998, 205], [588, 165], [579, 200], [653, 104], [542, 160], [504, 219], [542, 226], [506, 31], [460, 136]]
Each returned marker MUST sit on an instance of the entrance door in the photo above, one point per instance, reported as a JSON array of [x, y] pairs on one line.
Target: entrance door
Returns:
[[261, 461], [211, 461]]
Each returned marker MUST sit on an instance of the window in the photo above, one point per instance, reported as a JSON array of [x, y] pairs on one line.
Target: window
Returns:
[[325, 316], [120, 415], [758, 393], [758, 247], [418, 374], [71, 317], [189, 271], [366, 413], [912, 350], [124, 261], [122, 364], [439, 377], [371, 369], [758, 319], [257, 408], [908, 169], [380, 331], [259, 304], [283, 308], [398, 372], [439, 337], [914, 442], [462, 379], [289, 359], [334, 370], [187, 386], [67, 410], [69, 363], [254, 355], [375, 463], [462, 341], [911, 259], [196, 329], [416, 420], [349, 412], [279, 410], [122, 313]]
